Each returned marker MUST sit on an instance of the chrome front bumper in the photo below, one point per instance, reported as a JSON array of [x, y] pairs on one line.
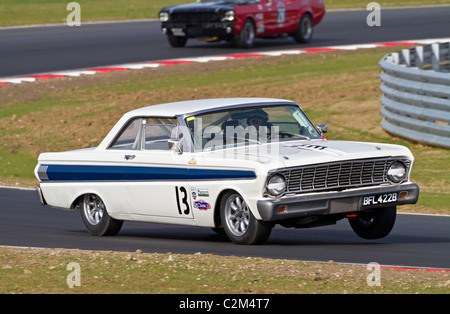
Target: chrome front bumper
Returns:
[[337, 202]]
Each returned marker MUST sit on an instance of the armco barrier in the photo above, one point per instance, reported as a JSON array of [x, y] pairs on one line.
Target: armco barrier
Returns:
[[416, 100]]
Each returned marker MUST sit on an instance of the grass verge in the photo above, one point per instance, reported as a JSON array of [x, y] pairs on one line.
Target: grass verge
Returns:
[[46, 270], [36, 12]]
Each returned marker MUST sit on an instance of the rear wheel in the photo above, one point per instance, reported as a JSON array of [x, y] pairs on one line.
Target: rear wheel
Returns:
[[304, 31], [238, 222], [95, 217], [375, 224]]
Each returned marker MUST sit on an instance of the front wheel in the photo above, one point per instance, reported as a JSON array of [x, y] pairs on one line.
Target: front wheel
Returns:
[[95, 217], [375, 224], [177, 41], [238, 222], [246, 38]]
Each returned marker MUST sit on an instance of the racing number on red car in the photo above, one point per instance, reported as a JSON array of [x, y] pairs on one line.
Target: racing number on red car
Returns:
[[281, 14], [183, 200]]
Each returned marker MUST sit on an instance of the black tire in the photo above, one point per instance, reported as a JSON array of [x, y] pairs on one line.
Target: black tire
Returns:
[[375, 224], [177, 41], [96, 218], [304, 31], [238, 222], [246, 38]]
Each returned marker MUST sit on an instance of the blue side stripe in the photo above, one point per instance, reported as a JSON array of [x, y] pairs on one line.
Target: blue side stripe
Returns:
[[127, 173]]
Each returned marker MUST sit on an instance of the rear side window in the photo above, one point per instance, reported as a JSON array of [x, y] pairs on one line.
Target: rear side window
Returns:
[[146, 133]]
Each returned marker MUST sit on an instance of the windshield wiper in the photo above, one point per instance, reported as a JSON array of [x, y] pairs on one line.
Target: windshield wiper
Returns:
[[247, 139], [295, 134]]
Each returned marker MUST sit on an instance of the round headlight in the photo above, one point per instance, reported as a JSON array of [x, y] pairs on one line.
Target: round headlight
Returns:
[[164, 16], [229, 16], [396, 172], [276, 185]]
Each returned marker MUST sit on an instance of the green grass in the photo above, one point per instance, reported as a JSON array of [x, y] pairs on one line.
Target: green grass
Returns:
[[32, 12], [29, 271], [16, 165]]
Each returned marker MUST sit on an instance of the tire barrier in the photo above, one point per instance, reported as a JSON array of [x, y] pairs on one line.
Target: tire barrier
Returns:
[[416, 88]]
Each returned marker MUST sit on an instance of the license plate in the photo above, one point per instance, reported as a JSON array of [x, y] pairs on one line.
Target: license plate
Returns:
[[178, 31], [380, 199]]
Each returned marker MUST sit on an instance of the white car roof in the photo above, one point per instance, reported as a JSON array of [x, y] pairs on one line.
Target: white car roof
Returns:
[[193, 106], [174, 109]]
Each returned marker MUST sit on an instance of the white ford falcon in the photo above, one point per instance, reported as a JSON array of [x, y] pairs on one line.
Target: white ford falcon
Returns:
[[237, 165]]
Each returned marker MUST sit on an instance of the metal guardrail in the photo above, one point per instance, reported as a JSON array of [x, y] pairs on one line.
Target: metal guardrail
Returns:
[[416, 100]]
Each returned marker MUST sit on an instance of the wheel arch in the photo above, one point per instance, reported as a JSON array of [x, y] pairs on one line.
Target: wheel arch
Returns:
[[217, 220], [242, 22], [80, 196], [233, 189], [306, 11], [77, 200]]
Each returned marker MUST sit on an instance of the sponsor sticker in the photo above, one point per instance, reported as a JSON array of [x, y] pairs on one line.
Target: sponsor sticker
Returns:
[[192, 161], [194, 193], [201, 192], [202, 205]]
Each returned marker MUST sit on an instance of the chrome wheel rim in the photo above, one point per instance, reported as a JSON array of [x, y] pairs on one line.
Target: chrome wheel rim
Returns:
[[93, 208], [306, 28], [237, 215], [249, 34]]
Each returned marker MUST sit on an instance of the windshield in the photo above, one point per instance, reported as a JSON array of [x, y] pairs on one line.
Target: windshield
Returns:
[[255, 125]]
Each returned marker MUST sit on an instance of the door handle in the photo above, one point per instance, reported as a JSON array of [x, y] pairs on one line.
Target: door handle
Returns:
[[128, 157]]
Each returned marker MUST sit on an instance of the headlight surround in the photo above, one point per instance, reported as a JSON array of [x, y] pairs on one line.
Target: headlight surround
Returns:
[[276, 185], [164, 16], [228, 17], [396, 172]]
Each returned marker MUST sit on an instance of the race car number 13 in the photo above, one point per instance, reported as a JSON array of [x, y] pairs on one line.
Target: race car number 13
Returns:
[[183, 200]]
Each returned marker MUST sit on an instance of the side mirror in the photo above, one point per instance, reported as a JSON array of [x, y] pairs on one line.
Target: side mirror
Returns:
[[323, 128], [176, 145]]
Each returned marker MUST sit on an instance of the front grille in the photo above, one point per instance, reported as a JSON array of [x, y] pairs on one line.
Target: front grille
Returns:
[[338, 175], [195, 17]]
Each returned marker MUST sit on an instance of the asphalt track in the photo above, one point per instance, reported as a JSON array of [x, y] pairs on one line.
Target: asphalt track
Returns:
[[416, 240], [55, 48]]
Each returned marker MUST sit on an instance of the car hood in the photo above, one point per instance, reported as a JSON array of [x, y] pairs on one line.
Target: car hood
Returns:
[[204, 7], [299, 153]]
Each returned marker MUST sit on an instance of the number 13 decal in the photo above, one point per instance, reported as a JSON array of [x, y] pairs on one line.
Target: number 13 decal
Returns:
[[184, 200]]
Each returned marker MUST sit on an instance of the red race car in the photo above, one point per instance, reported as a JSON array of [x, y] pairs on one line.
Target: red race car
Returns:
[[241, 21]]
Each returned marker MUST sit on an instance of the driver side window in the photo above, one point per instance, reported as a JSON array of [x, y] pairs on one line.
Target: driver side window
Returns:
[[157, 132]]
